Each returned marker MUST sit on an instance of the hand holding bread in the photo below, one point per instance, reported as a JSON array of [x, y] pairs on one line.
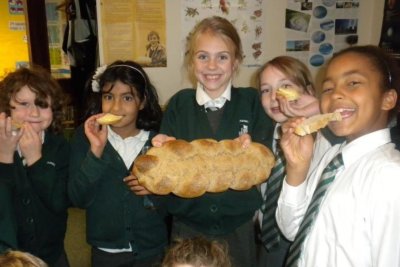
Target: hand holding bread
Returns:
[[316, 122], [189, 169]]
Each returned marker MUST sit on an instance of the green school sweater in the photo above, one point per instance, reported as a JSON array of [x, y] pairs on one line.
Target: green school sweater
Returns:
[[8, 225], [115, 216], [216, 213], [40, 199]]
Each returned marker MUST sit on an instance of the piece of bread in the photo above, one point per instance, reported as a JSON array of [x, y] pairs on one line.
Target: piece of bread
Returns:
[[189, 169], [316, 122], [289, 94], [108, 119], [15, 125]]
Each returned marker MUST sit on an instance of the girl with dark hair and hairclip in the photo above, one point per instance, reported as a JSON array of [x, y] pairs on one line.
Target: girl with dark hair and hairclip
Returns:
[[120, 228]]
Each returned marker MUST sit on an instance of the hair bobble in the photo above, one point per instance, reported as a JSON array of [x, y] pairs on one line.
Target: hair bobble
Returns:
[[96, 77]]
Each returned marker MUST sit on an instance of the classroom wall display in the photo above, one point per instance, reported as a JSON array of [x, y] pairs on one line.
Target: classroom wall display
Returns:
[[246, 15], [316, 29], [12, 36], [133, 29]]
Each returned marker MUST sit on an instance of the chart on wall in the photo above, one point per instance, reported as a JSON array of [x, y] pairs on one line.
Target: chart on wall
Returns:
[[246, 15], [317, 29]]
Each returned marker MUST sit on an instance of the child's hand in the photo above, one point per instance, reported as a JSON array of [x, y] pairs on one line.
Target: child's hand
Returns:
[[305, 106], [132, 182], [160, 139], [8, 139], [97, 135], [244, 139], [30, 144], [298, 151]]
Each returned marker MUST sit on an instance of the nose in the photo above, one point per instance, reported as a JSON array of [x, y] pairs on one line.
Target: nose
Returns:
[[116, 105], [273, 94], [212, 63], [34, 111]]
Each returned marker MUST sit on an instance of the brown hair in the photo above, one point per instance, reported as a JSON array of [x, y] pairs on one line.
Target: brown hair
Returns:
[[20, 259], [39, 82], [197, 251], [216, 26], [295, 70]]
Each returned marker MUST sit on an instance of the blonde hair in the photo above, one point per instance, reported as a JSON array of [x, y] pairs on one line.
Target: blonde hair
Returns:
[[295, 70], [198, 252], [217, 26], [20, 259]]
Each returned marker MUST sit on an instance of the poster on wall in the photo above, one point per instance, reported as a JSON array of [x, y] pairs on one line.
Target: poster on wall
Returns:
[[316, 29], [133, 29], [246, 15], [390, 34]]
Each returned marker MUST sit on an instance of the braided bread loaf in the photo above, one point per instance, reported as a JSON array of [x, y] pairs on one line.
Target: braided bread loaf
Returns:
[[204, 165]]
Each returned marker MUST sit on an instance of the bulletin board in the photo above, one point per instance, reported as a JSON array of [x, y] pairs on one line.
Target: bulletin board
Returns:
[[261, 24], [125, 27], [13, 38]]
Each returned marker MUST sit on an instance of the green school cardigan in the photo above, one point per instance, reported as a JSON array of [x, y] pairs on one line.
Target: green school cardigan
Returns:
[[216, 213]]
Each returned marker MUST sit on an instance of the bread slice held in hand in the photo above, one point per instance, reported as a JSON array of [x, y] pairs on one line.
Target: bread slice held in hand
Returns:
[[109, 119], [15, 125], [288, 93], [316, 122]]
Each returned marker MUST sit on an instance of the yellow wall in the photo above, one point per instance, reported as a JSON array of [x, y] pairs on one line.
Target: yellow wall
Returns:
[[13, 43]]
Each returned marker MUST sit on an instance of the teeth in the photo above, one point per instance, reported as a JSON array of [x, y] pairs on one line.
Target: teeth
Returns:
[[340, 110]]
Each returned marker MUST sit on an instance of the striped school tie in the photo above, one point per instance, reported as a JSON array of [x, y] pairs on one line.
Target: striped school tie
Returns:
[[327, 177], [270, 234]]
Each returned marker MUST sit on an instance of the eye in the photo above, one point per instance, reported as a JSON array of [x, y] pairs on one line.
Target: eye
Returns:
[[264, 91], [107, 97], [223, 57], [286, 85], [353, 83], [202, 57], [128, 98]]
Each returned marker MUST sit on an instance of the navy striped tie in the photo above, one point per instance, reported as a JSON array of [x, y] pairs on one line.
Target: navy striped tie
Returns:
[[270, 234], [327, 177]]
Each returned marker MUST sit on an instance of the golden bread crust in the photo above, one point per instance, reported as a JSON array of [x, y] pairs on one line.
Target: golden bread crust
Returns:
[[190, 169]]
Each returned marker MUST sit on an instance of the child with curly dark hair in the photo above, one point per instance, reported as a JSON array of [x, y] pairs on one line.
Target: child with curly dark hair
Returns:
[[33, 163]]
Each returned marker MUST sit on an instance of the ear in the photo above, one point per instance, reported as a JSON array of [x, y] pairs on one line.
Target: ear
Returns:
[[389, 99]]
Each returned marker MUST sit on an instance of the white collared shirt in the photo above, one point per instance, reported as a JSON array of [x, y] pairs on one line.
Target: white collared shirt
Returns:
[[130, 147], [203, 98], [358, 221]]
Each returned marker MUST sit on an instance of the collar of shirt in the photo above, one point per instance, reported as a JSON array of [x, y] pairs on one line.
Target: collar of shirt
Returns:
[[359, 147], [130, 147], [203, 98]]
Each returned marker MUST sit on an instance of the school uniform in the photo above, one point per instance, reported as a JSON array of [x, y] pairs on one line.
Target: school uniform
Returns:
[[8, 225], [360, 213], [276, 256], [116, 218], [218, 214], [40, 199]]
